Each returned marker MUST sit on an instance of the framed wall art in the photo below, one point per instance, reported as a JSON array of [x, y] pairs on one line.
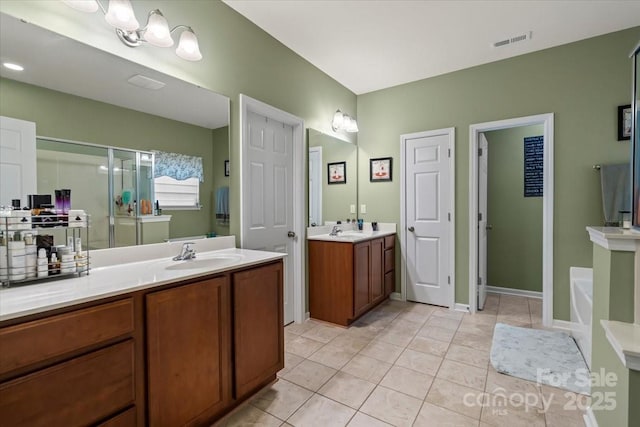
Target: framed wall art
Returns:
[[624, 122], [380, 169], [337, 173]]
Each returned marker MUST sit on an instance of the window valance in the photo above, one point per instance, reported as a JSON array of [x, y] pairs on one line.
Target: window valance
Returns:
[[177, 166]]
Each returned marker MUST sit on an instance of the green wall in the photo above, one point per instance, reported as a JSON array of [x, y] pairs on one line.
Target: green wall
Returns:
[[512, 262], [582, 83], [336, 198], [64, 116], [220, 139]]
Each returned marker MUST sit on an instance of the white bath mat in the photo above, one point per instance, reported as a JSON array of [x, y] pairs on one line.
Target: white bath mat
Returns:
[[546, 357]]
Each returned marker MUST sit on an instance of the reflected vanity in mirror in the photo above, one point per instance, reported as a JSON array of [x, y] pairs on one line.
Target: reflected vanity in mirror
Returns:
[[93, 100], [331, 198]]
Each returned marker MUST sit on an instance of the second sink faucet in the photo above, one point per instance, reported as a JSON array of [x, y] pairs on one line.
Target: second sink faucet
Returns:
[[335, 230], [186, 252]]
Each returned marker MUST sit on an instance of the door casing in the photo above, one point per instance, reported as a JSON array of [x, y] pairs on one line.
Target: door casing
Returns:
[[547, 207]]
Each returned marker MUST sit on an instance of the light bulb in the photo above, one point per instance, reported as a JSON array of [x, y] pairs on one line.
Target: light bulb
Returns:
[[120, 15], [89, 6], [188, 48], [157, 31]]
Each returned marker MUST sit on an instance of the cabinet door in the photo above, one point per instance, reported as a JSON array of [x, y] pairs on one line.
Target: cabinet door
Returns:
[[377, 270], [258, 326], [361, 272], [188, 346]]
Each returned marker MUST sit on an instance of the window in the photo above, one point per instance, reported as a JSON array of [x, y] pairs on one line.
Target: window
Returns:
[[177, 194]]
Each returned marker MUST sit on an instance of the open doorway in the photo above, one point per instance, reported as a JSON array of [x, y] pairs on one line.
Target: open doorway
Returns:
[[512, 224]]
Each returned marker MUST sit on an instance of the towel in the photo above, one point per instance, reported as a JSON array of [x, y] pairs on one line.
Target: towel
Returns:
[[616, 192], [222, 205]]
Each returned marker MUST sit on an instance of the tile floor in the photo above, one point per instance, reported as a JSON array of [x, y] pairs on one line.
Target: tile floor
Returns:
[[407, 364]]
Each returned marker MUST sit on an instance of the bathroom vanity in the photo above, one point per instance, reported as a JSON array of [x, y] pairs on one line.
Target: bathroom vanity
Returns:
[[154, 342], [349, 274]]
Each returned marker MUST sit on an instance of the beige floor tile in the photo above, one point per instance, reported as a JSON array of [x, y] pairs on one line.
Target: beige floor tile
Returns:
[[421, 308], [478, 329], [301, 346], [468, 355], [429, 345], [281, 399], [366, 368], [466, 375], [405, 326], [500, 384], [431, 415], [347, 389], [449, 314], [290, 361], [391, 406], [421, 362], [333, 356], [323, 333], [478, 319], [249, 415], [437, 333], [300, 328], [350, 341], [363, 331], [499, 411], [364, 420], [443, 322], [413, 316], [515, 319], [310, 375], [382, 351], [560, 400], [321, 412], [457, 398], [572, 419], [398, 338], [407, 381], [480, 342]]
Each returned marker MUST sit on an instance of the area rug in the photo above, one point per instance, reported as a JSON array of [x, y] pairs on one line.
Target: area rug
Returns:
[[545, 357]]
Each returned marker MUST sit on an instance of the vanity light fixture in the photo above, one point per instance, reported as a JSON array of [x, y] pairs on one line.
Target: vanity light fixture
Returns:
[[343, 122], [156, 32]]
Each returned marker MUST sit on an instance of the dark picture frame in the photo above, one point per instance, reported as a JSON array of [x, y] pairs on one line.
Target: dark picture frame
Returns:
[[226, 168], [337, 173], [624, 122], [381, 169]]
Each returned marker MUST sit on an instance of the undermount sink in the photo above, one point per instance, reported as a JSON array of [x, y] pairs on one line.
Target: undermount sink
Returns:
[[213, 261]]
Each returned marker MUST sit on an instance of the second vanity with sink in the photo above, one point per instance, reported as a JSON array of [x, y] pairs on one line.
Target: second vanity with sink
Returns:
[[349, 273], [152, 341]]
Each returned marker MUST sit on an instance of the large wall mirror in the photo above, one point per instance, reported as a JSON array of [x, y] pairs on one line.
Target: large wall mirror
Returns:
[[75, 93], [333, 179]]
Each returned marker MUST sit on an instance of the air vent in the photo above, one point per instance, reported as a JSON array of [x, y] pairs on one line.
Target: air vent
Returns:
[[514, 39], [146, 82]]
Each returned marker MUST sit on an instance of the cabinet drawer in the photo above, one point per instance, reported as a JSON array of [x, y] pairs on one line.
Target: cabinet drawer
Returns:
[[389, 260], [389, 283], [75, 393], [37, 341], [124, 419], [389, 241]]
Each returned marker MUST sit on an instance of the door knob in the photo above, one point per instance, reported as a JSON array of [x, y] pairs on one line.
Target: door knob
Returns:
[[291, 234], [411, 229], [489, 227]]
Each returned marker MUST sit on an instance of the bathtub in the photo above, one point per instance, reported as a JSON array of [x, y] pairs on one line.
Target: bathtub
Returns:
[[581, 290]]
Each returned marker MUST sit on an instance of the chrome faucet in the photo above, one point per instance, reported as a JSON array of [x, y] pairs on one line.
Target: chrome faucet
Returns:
[[185, 253], [335, 231]]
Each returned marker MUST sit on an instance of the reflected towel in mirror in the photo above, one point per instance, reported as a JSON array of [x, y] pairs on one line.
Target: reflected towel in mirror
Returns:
[[222, 205], [616, 191]]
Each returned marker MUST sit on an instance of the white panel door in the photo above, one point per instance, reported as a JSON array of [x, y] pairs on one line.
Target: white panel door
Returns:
[[427, 177], [483, 227], [17, 160], [267, 194], [315, 186]]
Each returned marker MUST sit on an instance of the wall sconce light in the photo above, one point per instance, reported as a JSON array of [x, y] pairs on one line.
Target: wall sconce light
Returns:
[[119, 14], [343, 122]]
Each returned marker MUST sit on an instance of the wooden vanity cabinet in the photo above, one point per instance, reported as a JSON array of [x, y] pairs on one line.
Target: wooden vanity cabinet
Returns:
[[348, 279], [189, 352]]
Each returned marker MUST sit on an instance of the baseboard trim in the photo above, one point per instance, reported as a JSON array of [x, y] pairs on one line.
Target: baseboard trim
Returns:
[[461, 307], [307, 316], [590, 418], [396, 296], [563, 325], [515, 292]]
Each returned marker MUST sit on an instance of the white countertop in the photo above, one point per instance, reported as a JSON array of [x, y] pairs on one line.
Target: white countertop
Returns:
[[348, 235], [119, 279], [614, 238], [625, 340]]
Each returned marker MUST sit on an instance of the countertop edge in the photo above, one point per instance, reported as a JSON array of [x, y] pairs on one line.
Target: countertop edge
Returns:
[[351, 238]]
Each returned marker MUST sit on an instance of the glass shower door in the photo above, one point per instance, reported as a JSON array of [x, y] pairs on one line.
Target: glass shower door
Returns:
[[124, 204]]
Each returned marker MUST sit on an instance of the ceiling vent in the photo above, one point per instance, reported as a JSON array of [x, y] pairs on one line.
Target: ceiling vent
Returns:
[[514, 39], [146, 82]]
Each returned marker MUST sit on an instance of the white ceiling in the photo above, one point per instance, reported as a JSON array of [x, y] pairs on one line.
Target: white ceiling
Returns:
[[370, 45]]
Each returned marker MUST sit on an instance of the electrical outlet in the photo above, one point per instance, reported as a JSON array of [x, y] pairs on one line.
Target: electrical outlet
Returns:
[[352, 209], [363, 209]]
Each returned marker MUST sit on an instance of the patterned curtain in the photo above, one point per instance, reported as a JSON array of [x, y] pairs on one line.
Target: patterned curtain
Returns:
[[178, 166]]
